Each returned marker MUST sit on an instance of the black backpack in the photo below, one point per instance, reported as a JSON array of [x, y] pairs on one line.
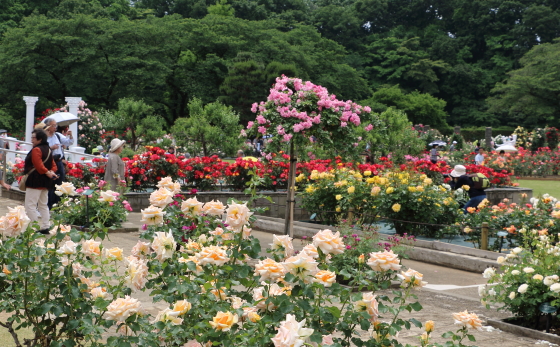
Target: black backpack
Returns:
[[480, 181]]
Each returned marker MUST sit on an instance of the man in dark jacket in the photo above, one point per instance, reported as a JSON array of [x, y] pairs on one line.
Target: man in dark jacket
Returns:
[[459, 178], [40, 180]]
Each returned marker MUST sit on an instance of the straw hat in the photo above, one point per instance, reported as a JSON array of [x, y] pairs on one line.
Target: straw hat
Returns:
[[458, 170], [41, 126], [116, 144]]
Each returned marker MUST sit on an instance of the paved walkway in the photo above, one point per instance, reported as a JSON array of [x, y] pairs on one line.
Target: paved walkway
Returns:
[[448, 291]]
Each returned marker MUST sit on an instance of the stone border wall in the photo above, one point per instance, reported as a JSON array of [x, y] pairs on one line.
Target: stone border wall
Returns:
[[277, 208]]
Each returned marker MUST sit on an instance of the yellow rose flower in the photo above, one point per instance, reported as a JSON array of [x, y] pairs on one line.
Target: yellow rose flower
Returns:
[[412, 189], [466, 187], [223, 321], [338, 209], [390, 190], [367, 173], [114, 253], [351, 189], [429, 325], [396, 207], [338, 197]]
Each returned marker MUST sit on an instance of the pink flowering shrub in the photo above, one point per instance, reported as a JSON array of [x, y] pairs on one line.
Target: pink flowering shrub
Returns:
[[297, 111]]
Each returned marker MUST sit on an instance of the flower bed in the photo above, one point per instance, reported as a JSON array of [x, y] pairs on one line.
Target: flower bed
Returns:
[[68, 289]]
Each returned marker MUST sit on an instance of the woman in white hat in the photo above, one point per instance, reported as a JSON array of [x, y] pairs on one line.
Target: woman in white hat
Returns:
[[459, 178], [114, 170]]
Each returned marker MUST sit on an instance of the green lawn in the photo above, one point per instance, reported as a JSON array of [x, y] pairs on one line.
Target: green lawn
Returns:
[[542, 187]]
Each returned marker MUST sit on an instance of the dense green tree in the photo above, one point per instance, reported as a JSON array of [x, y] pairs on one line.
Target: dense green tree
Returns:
[[530, 95], [420, 108], [134, 115], [210, 129]]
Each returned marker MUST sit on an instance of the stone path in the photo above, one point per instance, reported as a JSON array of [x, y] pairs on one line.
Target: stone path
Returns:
[[448, 291]]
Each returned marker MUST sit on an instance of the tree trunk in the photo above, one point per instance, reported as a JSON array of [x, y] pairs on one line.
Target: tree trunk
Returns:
[[291, 196]]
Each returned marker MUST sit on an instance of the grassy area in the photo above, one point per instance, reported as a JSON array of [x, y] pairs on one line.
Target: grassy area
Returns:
[[542, 187]]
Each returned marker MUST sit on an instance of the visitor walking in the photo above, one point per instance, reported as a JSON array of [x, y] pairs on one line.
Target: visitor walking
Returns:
[[41, 167], [114, 170], [56, 142], [479, 158], [434, 154], [3, 145], [452, 147], [459, 179]]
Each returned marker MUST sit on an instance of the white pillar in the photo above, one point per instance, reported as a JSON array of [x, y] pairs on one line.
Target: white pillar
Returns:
[[73, 103], [30, 102]]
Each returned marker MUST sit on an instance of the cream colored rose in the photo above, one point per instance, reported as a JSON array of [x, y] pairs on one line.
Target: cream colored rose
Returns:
[[237, 215], [282, 244], [122, 308], [301, 266], [108, 196], [167, 183], [311, 251], [328, 242], [68, 247], [195, 260], [268, 269], [212, 255], [14, 222], [555, 287], [136, 273], [141, 249], [538, 277], [375, 190], [168, 315], [223, 321], [253, 317], [261, 293], [66, 188], [325, 277], [369, 304], [182, 306], [114, 253], [291, 333], [468, 320], [152, 215], [214, 208], [236, 302], [384, 261], [164, 245], [98, 292], [161, 197], [91, 248], [412, 278], [63, 229], [191, 207], [523, 288]]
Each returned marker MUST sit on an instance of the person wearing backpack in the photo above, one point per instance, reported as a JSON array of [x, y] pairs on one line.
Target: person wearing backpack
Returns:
[[477, 184]]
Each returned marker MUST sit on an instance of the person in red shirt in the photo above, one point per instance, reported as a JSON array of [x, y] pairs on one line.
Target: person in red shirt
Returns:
[[40, 180]]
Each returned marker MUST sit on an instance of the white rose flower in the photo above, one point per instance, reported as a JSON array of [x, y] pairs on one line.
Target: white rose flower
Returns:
[[555, 287], [512, 295], [489, 272], [517, 250], [528, 270], [523, 288], [515, 272]]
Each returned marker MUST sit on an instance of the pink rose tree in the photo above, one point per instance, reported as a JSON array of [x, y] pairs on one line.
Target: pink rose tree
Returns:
[[298, 112]]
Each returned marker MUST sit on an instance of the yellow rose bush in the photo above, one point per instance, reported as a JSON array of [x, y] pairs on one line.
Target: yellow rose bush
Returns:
[[209, 279]]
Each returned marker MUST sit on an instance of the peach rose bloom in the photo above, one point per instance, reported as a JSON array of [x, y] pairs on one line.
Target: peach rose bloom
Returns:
[[311, 251], [327, 340], [66, 188], [291, 333], [161, 197], [122, 308], [89, 283], [284, 244], [236, 302], [107, 196], [271, 291], [141, 249], [68, 247], [328, 242], [191, 207], [164, 245], [14, 222], [182, 306], [214, 208], [213, 255], [301, 266], [168, 315], [217, 232], [237, 215], [114, 253], [98, 292], [375, 190], [223, 321], [91, 248], [136, 273], [63, 229], [468, 320], [192, 247], [369, 304], [325, 277], [167, 183], [412, 278], [429, 326], [192, 343], [153, 215], [5, 270], [268, 269], [384, 261]]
